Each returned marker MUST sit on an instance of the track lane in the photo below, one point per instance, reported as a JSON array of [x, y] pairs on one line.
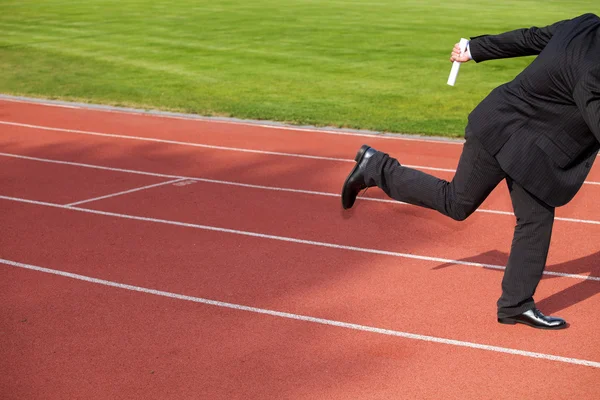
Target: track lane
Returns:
[[210, 132], [119, 344], [437, 154], [407, 295], [573, 300], [279, 171], [483, 238]]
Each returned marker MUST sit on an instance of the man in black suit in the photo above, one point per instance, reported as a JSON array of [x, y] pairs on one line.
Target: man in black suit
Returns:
[[540, 132]]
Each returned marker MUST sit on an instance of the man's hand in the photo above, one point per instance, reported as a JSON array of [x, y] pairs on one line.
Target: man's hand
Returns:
[[456, 56]]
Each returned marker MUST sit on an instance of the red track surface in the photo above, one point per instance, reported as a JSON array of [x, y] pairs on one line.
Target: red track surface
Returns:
[[282, 251]]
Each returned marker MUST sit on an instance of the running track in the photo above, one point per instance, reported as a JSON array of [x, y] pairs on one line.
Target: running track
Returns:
[[158, 257]]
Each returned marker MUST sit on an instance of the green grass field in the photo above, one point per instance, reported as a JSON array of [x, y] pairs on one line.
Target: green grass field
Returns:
[[379, 65]]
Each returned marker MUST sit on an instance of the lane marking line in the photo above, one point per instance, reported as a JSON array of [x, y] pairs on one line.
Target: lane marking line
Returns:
[[199, 118], [224, 148], [124, 192], [247, 185], [213, 147], [306, 318], [290, 239], [166, 141]]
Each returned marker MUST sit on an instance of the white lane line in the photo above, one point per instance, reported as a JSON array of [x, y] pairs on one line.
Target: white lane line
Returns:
[[213, 147], [144, 139], [124, 192], [275, 125], [306, 318], [93, 166], [205, 146], [290, 239], [278, 189], [224, 148]]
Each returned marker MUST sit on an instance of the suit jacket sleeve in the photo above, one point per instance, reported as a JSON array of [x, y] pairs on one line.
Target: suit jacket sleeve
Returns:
[[517, 43], [587, 98]]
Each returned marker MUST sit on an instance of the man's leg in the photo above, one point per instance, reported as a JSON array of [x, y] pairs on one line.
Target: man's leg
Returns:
[[477, 174], [529, 251]]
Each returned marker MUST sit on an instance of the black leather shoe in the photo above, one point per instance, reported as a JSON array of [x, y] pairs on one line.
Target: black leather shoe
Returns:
[[355, 182], [536, 319]]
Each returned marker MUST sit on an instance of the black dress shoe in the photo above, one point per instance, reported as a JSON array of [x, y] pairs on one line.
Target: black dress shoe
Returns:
[[536, 319], [355, 182]]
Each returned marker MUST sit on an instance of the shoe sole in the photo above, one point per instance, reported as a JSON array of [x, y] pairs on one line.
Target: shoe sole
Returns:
[[360, 153], [508, 321], [345, 188], [358, 158]]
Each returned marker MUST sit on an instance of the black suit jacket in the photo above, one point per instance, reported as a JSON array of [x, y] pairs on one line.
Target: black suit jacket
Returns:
[[544, 126]]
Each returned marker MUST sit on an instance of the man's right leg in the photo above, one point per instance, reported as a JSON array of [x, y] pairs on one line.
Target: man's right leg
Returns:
[[477, 174], [528, 253], [526, 262]]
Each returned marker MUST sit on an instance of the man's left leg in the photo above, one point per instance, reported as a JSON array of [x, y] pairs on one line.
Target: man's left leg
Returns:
[[477, 174]]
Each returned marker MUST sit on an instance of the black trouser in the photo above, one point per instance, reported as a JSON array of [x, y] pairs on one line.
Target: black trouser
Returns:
[[477, 174]]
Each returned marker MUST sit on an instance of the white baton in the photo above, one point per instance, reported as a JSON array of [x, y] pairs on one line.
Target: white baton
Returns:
[[456, 64]]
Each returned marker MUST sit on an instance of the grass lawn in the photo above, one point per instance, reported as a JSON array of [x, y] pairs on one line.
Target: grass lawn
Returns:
[[379, 65]]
